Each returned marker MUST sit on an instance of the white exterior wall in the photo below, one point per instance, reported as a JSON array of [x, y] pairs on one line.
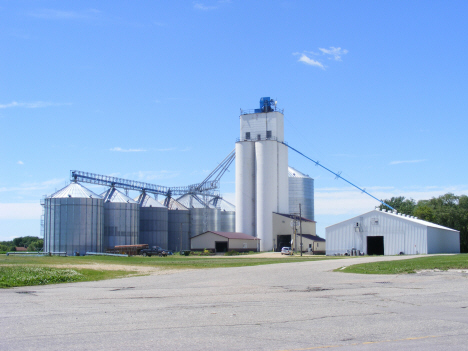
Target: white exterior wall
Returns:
[[259, 123], [283, 179], [245, 188], [442, 241], [282, 225], [267, 191], [205, 241], [400, 235], [262, 185], [242, 244], [208, 240]]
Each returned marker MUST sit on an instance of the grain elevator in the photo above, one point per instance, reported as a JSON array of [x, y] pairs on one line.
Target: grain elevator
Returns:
[[261, 172]]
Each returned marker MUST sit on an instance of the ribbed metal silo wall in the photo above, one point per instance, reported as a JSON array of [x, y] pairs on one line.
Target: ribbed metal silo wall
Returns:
[[73, 225], [301, 191], [228, 221], [245, 188], [154, 226], [267, 191], [178, 230], [121, 224], [204, 219]]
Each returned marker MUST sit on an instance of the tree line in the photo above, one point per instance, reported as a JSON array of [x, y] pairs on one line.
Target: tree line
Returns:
[[32, 243], [447, 210]]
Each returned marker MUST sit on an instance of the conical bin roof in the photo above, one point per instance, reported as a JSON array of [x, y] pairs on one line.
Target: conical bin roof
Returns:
[[75, 190]]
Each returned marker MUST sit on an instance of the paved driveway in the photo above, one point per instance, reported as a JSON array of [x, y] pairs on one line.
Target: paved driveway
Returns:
[[293, 306]]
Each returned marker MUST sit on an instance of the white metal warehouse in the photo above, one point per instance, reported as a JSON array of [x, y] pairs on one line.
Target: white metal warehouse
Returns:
[[387, 233]]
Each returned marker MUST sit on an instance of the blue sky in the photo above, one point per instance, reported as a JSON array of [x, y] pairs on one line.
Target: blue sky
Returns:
[[151, 91]]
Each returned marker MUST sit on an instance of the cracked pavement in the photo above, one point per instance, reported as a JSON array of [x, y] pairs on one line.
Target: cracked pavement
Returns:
[[291, 306]]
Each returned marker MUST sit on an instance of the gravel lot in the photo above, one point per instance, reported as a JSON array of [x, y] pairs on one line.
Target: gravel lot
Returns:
[[294, 306]]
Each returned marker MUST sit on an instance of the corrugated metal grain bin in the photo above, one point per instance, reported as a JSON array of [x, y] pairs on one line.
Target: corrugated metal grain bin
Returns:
[[301, 191], [228, 214], [203, 217], [178, 226], [73, 221], [121, 219], [153, 222]]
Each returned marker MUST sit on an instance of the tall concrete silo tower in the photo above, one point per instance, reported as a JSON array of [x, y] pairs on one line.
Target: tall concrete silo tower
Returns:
[[261, 172]]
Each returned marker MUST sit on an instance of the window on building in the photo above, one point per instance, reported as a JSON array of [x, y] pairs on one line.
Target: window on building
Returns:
[[310, 246], [247, 135], [259, 137], [268, 134]]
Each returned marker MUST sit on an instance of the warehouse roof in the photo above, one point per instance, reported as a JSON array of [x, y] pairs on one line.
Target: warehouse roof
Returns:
[[294, 217], [313, 237], [231, 235]]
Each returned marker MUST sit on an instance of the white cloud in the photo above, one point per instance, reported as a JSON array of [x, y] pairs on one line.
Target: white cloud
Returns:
[[408, 161], [64, 15], [350, 201], [200, 6], [307, 60], [332, 53], [119, 149], [20, 211], [20, 162], [150, 176], [45, 185], [335, 52], [36, 104], [166, 149]]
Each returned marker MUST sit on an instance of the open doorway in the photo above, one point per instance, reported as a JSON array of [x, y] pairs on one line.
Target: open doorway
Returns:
[[283, 240], [221, 246], [375, 245]]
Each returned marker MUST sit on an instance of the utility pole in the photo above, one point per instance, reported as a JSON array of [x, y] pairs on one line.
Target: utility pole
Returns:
[[300, 225], [295, 233]]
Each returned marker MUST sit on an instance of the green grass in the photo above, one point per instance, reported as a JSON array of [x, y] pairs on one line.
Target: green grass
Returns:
[[170, 262], [411, 265], [38, 270], [19, 275]]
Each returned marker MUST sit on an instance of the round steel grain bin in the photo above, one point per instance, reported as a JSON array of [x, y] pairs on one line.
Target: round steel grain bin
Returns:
[[153, 222], [301, 191], [73, 221], [121, 219]]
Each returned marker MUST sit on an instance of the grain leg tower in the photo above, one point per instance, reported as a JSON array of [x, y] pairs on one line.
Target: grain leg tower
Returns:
[[261, 172]]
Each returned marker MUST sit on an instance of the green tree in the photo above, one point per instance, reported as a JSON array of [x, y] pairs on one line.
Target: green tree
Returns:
[[402, 205]]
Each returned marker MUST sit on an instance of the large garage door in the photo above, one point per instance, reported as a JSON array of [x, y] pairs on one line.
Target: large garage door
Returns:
[[375, 245], [221, 246]]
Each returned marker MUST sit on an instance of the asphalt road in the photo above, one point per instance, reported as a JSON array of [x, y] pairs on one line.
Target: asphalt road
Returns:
[[293, 306]]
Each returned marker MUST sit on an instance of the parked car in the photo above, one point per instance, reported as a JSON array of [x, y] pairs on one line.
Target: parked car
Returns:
[[286, 251], [155, 250]]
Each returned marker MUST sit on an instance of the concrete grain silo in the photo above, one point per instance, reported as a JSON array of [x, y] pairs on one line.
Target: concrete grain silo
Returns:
[[261, 172]]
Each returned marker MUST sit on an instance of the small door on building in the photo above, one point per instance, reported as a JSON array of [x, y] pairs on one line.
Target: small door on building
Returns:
[[221, 246], [375, 245]]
